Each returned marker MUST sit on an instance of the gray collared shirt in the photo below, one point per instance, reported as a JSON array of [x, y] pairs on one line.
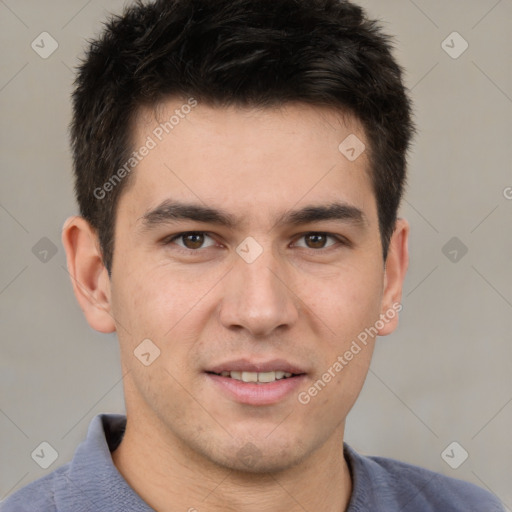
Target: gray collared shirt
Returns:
[[91, 483]]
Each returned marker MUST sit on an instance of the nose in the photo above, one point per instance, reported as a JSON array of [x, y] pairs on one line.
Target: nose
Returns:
[[257, 297]]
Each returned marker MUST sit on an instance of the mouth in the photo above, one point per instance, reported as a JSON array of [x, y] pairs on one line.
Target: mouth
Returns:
[[252, 383], [257, 377]]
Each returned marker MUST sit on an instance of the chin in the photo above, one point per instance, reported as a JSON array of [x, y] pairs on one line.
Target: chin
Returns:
[[261, 457], [265, 465]]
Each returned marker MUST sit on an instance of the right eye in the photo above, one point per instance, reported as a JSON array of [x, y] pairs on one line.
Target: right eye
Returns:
[[191, 240]]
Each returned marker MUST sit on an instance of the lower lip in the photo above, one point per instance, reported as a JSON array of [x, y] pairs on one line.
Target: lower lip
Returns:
[[252, 393]]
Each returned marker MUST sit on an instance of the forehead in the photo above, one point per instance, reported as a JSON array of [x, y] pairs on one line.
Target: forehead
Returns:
[[246, 158]]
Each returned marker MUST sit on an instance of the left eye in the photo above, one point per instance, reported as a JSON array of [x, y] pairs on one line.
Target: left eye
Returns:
[[317, 240], [192, 240]]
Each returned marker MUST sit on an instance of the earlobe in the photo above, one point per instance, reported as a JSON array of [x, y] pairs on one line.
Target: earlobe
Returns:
[[397, 262], [89, 276]]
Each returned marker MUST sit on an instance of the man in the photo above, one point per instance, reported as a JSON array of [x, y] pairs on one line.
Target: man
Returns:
[[239, 165]]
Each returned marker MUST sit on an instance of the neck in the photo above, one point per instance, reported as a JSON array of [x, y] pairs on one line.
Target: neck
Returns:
[[169, 476]]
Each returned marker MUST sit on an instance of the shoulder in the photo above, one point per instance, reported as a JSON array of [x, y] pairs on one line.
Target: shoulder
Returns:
[[35, 496], [435, 490], [408, 487], [89, 477]]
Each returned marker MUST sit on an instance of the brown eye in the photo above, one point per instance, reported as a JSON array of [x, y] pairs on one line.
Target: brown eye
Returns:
[[315, 240], [193, 240]]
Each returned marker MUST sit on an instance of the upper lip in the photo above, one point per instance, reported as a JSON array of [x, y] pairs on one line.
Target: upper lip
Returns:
[[248, 365]]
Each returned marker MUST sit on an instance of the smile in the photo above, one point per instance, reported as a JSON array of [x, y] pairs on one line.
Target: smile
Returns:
[[258, 377]]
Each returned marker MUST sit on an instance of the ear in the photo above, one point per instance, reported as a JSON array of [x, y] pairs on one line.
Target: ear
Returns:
[[89, 276], [396, 265]]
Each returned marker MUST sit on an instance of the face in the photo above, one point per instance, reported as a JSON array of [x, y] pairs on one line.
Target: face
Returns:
[[246, 243]]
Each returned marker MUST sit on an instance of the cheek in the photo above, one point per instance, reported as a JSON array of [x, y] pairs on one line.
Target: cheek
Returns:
[[331, 400], [346, 302], [163, 304], [344, 305]]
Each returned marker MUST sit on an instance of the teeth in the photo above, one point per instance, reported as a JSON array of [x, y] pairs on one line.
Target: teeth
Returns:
[[257, 376], [266, 376], [249, 376]]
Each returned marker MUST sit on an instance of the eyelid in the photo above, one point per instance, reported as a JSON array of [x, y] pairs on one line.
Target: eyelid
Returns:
[[338, 238], [172, 239]]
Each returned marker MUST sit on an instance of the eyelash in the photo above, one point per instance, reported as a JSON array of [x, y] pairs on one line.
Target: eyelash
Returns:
[[339, 239]]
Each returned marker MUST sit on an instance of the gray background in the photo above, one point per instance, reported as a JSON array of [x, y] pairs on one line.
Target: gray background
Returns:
[[443, 376]]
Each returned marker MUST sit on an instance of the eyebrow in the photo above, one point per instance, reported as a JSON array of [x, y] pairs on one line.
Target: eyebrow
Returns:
[[170, 210], [341, 212]]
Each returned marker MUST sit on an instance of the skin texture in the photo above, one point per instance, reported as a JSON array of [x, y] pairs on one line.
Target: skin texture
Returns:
[[185, 438]]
